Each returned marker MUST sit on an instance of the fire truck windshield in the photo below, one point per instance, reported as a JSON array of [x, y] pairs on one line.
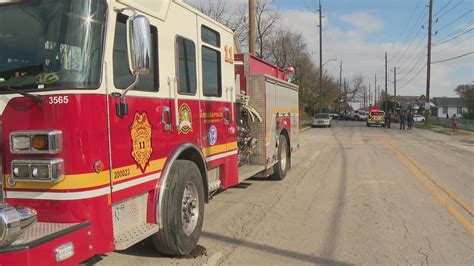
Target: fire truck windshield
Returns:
[[51, 44]]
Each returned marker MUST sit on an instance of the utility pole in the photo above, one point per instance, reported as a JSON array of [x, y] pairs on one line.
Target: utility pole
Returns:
[[375, 88], [320, 57], [394, 89], [386, 92], [370, 96], [252, 27], [340, 85], [378, 91], [428, 66], [365, 97]]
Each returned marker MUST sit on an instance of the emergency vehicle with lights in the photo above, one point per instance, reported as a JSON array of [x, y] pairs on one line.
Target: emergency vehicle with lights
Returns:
[[122, 118], [376, 118]]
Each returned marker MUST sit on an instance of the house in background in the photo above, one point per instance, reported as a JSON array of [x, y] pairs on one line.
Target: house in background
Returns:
[[449, 106], [410, 103]]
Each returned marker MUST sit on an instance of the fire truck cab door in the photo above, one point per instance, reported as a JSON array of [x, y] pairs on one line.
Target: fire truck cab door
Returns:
[[138, 139]]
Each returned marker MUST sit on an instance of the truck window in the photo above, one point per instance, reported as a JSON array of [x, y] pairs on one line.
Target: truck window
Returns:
[[122, 76], [186, 60], [211, 72], [210, 36]]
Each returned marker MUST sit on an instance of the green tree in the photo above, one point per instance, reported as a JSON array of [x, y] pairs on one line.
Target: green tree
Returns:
[[466, 93]]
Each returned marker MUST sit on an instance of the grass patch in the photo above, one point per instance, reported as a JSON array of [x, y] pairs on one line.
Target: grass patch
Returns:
[[453, 133], [422, 126], [305, 125]]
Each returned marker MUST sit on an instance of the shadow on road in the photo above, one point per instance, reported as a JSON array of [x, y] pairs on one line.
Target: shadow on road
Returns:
[[269, 249], [333, 231]]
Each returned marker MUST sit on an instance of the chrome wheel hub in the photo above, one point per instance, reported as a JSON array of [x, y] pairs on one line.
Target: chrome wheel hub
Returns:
[[190, 208], [284, 155]]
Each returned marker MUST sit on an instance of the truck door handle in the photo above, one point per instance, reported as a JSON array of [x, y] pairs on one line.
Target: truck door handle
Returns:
[[166, 118], [226, 116]]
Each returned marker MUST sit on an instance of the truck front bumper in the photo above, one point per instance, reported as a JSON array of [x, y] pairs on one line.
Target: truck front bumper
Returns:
[[50, 244]]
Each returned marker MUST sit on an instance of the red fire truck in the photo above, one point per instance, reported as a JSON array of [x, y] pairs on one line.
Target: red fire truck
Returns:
[[122, 119]]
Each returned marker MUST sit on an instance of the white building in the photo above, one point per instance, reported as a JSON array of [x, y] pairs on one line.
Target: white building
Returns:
[[447, 106]]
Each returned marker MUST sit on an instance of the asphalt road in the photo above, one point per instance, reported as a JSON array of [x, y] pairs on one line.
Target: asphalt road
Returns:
[[355, 195]]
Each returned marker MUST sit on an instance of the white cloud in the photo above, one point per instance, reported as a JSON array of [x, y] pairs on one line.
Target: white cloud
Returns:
[[363, 56], [359, 55], [363, 21]]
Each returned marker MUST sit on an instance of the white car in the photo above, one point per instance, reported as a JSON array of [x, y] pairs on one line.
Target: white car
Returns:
[[418, 118], [361, 115], [322, 120]]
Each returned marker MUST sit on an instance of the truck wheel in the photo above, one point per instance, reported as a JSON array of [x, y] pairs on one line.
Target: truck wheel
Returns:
[[281, 167], [183, 210]]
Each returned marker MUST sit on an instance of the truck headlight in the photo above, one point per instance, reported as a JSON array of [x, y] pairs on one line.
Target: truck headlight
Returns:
[[9, 224], [38, 170], [13, 221], [36, 142]]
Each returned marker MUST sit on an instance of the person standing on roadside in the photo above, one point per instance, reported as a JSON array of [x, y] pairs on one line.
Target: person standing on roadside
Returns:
[[402, 120], [454, 122], [388, 118], [410, 120]]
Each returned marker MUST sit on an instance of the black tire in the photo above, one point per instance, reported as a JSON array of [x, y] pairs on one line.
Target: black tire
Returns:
[[368, 125], [173, 238], [283, 165]]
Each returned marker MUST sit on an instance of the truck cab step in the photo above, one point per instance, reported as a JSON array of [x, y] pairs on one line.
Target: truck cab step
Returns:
[[135, 235]]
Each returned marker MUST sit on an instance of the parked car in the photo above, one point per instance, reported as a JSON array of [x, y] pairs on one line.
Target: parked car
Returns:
[[418, 118], [322, 120], [334, 116], [361, 115]]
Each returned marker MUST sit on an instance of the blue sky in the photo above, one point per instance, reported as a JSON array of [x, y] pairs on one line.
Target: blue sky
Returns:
[[358, 32]]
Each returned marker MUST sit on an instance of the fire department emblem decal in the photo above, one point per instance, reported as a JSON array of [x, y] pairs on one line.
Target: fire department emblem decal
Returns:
[[140, 131], [212, 135], [185, 119]]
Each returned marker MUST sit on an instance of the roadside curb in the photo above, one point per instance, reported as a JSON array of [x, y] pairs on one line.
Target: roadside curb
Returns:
[[304, 129]]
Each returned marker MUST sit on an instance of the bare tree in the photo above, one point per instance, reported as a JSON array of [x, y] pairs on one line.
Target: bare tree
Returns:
[[236, 18], [266, 20], [215, 9], [232, 16], [356, 90], [285, 48]]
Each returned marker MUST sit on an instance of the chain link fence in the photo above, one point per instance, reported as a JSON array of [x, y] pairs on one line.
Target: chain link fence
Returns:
[[463, 124]]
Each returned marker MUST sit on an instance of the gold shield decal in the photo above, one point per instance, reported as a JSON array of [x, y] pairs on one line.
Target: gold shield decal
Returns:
[[140, 131], [185, 119]]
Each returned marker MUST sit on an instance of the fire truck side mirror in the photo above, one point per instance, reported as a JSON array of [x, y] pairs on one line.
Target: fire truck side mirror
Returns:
[[139, 55], [139, 45]]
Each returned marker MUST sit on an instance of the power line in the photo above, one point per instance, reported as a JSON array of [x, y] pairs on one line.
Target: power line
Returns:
[[417, 22], [458, 18], [406, 25], [415, 60], [453, 58], [411, 17], [452, 38], [408, 82], [439, 11], [408, 47], [447, 12], [453, 45], [417, 51]]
